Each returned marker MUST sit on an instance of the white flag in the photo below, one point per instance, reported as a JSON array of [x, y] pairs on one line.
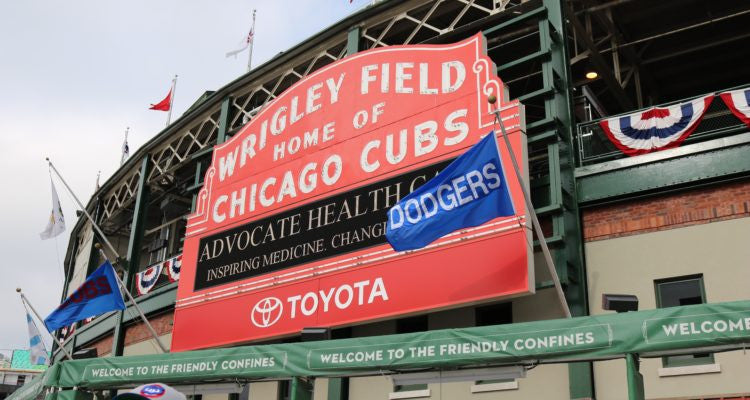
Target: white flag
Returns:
[[56, 224], [245, 45], [37, 352]]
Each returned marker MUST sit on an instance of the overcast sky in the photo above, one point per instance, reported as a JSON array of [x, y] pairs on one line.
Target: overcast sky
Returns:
[[74, 74]]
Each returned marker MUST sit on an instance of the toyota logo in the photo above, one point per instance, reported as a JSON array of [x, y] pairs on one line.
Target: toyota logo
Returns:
[[266, 312]]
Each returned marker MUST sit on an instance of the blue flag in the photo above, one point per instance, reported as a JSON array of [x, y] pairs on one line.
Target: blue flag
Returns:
[[98, 294], [469, 192]]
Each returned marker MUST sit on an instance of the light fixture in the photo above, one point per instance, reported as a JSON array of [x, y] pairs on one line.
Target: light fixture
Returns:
[[459, 375], [591, 75], [314, 334], [85, 353], [619, 302]]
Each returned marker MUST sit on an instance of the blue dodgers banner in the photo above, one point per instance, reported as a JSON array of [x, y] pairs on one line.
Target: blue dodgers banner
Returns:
[[469, 192], [97, 295]]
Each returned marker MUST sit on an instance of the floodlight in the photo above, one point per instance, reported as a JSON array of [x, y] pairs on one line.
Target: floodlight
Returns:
[[85, 353], [619, 302]]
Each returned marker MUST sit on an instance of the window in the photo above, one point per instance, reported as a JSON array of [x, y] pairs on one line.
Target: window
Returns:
[[494, 314], [411, 325], [682, 291], [339, 390], [21, 380]]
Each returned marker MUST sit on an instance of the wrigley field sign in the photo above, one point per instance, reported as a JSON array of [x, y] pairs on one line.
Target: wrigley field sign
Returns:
[[289, 228]]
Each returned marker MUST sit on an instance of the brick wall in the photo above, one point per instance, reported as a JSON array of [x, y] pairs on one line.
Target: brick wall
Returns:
[[139, 332], [692, 207], [103, 346], [136, 333]]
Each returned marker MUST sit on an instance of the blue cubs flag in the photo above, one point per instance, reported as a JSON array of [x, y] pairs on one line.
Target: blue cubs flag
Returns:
[[98, 294], [469, 192]]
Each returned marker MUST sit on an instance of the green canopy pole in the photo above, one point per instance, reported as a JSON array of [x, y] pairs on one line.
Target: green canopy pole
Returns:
[[635, 379], [301, 389]]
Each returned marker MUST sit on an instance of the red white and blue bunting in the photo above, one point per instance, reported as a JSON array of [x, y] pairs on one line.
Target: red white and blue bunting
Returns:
[[173, 266], [738, 102], [656, 128], [146, 280], [68, 331]]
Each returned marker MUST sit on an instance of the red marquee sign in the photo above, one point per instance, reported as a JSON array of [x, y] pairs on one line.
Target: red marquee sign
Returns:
[[289, 228]]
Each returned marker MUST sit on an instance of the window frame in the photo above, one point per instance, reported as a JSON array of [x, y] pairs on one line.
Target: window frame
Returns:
[[413, 324], [678, 361]]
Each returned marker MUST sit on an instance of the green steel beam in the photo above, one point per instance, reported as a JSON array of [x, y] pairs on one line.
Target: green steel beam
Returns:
[[530, 15], [302, 389], [536, 56], [336, 389], [635, 379], [561, 164], [545, 91], [102, 325], [94, 256], [626, 179], [162, 298], [221, 136], [130, 264], [352, 40], [71, 265]]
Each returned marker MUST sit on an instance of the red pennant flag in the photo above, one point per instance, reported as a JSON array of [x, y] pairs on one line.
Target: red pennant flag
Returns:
[[164, 104]]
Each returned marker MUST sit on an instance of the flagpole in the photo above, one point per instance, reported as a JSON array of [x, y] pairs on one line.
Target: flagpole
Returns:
[[33, 310], [135, 304], [252, 43], [112, 249], [530, 207], [171, 99], [125, 143], [85, 212]]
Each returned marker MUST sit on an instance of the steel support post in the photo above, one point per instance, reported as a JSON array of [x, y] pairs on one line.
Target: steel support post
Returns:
[[130, 265], [562, 192], [301, 389], [336, 389], [635, 379], [221, 136], [352, 40]]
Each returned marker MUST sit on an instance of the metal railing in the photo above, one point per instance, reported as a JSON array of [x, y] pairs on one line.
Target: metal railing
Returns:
[[595, 147]]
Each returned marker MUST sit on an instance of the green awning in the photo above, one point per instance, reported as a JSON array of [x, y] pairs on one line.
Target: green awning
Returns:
[[30, 390], [651, 333]]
